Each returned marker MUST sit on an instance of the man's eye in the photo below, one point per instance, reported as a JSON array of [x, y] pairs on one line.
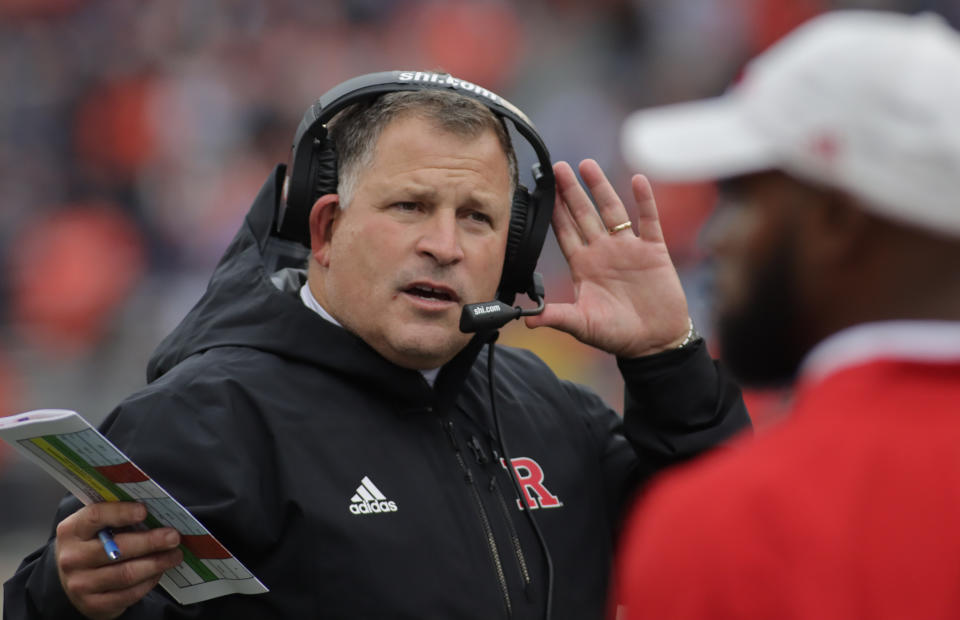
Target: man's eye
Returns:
[[477, 216], [406, 206]]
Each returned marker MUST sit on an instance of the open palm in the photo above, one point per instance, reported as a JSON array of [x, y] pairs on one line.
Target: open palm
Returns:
[[628, 298]]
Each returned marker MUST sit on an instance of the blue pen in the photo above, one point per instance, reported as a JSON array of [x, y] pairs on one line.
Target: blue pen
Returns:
[[109, 545]]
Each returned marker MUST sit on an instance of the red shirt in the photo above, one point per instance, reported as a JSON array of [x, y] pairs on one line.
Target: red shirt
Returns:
[[848, 509]]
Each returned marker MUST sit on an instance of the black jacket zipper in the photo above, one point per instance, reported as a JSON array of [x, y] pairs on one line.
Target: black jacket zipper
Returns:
[[514, 537], [494, 489], [484, 519]]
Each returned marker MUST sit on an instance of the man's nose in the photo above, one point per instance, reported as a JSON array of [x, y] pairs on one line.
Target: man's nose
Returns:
[[440, 238]]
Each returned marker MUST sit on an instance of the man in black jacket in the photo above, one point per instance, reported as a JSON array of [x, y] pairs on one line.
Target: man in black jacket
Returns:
[[339, 433]]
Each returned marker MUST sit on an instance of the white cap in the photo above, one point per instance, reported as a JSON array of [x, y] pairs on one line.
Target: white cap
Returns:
[[863, 101]]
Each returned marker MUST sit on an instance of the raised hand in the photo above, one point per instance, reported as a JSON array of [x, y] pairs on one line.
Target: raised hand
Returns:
[[628, 298]]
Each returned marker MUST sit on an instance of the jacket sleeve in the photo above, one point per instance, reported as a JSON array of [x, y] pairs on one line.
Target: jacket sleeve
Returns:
[[34, 591], [677, 404], [203, 463]]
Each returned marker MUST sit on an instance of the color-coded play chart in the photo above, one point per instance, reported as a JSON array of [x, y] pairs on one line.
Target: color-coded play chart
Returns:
[[93, 469]]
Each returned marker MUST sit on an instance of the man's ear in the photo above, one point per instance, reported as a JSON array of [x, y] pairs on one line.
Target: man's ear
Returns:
[[322, 216], [839, 228]]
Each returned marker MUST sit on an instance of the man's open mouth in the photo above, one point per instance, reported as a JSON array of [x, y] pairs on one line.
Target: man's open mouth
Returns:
[[430, 292]]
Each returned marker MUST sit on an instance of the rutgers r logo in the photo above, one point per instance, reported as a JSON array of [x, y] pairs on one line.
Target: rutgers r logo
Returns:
[[530, 476]]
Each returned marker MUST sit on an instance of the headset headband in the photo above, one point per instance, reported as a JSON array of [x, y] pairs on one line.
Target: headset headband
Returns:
[[372, 85]]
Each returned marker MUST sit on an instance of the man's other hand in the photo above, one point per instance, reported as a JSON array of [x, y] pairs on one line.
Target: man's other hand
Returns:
[[101, 588]]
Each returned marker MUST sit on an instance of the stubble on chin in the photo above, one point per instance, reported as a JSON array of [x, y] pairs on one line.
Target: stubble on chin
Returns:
[[431, 349], [760, 339]]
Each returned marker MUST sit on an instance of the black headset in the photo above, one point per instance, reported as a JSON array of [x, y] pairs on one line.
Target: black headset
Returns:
[[313, 169]]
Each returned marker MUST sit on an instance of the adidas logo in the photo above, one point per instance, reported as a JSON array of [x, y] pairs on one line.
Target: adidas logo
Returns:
[[368, 499]]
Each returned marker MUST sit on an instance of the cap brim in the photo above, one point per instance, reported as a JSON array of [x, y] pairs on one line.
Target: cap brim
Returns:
[[695, 141]]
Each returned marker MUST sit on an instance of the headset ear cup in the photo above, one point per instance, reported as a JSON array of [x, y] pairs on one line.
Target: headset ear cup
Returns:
[[313, 174], [324, 169], [513, 282]]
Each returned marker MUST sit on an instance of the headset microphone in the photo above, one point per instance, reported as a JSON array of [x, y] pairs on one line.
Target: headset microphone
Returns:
[[495, 314]]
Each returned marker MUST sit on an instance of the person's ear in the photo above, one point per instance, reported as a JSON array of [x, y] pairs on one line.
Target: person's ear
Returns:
[[837, 228], [322, 216]]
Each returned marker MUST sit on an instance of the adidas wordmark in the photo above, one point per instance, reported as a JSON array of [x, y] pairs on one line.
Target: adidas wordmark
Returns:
[[368, 499]]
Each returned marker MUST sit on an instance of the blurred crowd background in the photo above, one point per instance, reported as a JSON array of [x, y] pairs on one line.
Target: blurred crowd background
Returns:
[[134, 135]]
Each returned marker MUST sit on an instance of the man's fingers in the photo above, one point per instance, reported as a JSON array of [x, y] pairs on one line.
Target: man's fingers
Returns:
[[122, 575], [106, 592], [86, 522], [136, 544], [90, 553], [648, 219], [558, 316], [578, 202], [565, 229], [609, 206]]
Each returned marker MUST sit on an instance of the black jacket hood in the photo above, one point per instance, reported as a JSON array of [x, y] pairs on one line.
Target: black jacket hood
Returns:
[[252, 300]]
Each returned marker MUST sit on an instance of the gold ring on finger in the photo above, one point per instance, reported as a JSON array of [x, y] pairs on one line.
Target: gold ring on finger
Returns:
[[614, 230]]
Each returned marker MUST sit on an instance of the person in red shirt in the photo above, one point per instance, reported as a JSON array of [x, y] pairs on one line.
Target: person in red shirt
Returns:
[[837, 254]]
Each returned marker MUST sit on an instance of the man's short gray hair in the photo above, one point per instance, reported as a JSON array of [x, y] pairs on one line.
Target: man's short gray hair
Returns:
[[355, 130]]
